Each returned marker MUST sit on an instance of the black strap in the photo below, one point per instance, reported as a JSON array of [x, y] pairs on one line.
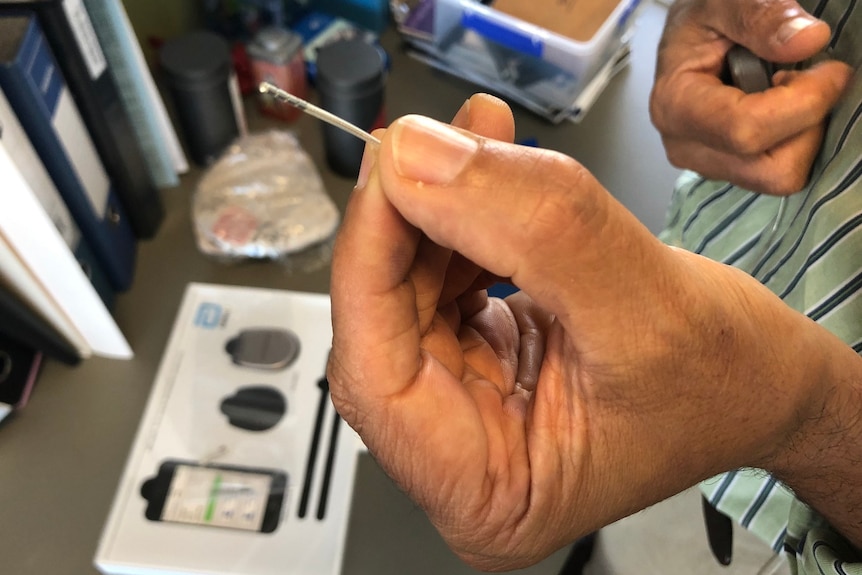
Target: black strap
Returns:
[[579, 555], [719, 532]]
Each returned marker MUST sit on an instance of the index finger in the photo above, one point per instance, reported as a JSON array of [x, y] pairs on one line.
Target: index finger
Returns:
[[697, 102], [373, 253]]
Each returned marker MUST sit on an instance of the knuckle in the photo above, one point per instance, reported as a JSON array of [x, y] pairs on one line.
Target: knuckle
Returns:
[[752, 19], [744, 134], [561, 205], [674, 109], [786, 171], [657, 107], [677, 157], [776, 178], [784, 184]]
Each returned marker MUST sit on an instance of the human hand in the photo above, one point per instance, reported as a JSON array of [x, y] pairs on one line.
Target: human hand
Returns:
[[766, 141], [520, 425]]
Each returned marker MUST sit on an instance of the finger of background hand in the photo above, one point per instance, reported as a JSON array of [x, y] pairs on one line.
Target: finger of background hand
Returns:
[[778, 31], [727, 119], [782, 170], [510, 209]]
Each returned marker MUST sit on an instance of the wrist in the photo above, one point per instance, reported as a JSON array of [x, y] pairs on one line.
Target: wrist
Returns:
[[771, 359], [810, 375], [820, 460], [790, 401]]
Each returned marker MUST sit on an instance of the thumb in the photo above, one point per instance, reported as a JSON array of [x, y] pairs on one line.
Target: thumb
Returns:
[[779, 31], [534, 215]]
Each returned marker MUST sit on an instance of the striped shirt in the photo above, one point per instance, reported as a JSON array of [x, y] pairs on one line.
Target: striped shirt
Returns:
[[807, 249]]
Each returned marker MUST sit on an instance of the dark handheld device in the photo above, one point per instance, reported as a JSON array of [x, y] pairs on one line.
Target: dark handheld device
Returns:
[[746, 71], [264, 348], [254, 407], [226, 496]]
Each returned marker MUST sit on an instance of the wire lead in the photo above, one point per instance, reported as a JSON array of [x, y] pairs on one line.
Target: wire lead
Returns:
[[319, 113]]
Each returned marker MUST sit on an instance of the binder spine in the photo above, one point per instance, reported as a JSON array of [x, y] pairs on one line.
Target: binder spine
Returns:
[[24, 157], [70, 32], [131, 78], [35, 88]]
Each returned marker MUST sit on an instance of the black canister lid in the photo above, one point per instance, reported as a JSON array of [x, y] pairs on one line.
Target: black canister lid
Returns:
[[198, 56], [349, 66]]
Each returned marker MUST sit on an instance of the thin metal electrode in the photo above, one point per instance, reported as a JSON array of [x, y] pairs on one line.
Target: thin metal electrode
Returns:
[[319, 113]]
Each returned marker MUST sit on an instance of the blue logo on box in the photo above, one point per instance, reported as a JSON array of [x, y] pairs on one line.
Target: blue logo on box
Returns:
[[208, 315]]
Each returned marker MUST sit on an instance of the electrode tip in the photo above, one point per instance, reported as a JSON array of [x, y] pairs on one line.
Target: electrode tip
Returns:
[[319, 113]]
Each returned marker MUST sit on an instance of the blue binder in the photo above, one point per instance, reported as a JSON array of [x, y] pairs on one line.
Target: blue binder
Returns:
[[36, 90], [68, 29], [31, 169]]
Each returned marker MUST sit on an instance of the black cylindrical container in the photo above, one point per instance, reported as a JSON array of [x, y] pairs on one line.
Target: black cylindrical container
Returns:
[[350, 80], [198, 71]]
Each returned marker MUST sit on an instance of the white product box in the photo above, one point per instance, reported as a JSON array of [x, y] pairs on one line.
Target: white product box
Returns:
[[240, 464]]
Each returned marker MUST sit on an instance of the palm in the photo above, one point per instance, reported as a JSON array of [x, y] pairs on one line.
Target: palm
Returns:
[[468, 403]]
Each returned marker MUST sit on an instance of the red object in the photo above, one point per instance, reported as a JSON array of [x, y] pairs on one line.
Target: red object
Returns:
[[276, 57], [380, 121], [242, 66]]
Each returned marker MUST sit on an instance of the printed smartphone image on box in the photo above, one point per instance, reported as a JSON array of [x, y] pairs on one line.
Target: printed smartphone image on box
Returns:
[[227, 496]]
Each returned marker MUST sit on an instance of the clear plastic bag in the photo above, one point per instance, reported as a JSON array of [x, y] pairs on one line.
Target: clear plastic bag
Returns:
[[264, 199]]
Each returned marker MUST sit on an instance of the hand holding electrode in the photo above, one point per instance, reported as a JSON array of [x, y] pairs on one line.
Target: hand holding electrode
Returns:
[[519, 425], [764, 141]]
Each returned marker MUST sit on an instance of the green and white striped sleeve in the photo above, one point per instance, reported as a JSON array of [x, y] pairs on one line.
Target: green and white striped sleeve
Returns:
[[814, 548]]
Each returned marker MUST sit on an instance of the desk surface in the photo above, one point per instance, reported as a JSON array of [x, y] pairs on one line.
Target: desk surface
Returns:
[[61, 457]]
